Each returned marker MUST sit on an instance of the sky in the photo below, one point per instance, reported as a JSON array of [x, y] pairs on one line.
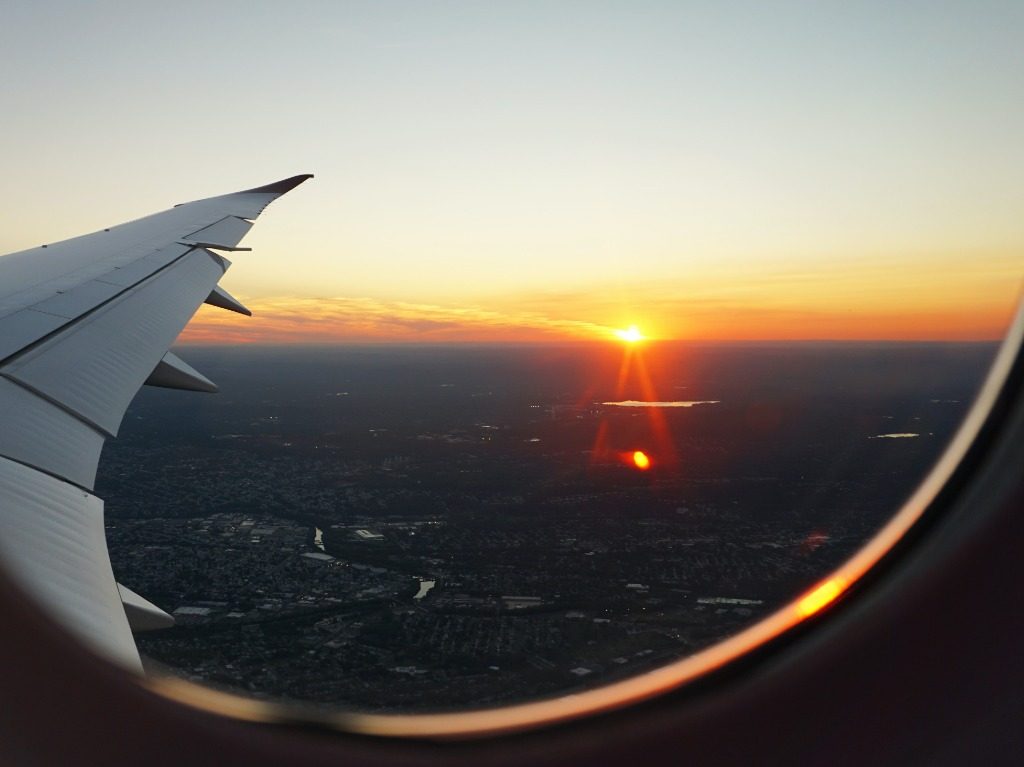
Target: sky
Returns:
[[492, 171]]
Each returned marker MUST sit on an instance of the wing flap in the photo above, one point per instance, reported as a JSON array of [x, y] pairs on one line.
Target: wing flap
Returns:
[[54, 543], [95, 366], [40, 434], [68, 297]]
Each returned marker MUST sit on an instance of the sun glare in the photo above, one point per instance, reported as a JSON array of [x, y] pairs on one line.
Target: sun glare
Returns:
[[631, 335]]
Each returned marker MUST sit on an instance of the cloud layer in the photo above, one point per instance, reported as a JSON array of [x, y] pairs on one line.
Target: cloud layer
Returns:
[[331, 320]]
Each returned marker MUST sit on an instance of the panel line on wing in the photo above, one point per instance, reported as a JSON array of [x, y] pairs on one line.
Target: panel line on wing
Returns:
[[47, 472], [224, 234], [55, 402], [46, 436], [70, 322], [48, 314]]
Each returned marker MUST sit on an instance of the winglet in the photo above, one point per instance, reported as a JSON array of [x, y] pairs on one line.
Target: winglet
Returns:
[[279, 187]]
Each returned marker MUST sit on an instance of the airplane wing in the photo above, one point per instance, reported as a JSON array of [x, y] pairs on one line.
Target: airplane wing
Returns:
[[84, 323]]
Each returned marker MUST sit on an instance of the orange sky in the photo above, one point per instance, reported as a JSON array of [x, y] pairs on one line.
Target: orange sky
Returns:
[[978, 311], [962, 299]]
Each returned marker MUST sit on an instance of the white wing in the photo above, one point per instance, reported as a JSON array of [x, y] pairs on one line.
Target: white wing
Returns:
[[83, 324]]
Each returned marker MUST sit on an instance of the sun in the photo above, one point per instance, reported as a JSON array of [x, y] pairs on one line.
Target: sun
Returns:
[[631, 335]]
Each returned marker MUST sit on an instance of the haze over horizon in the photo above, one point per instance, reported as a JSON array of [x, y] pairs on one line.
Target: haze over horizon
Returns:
[[530, 172]]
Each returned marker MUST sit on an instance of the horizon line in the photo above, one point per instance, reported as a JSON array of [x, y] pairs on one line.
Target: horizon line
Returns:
[[590, 342]]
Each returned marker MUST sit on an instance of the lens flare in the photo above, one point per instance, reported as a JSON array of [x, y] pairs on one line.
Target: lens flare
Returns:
[[641, 461]]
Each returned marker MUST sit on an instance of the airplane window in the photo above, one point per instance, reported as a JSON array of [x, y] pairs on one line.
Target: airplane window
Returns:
[[605, 346]]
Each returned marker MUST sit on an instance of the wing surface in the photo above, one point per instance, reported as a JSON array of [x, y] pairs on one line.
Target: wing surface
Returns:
[[84, 323]]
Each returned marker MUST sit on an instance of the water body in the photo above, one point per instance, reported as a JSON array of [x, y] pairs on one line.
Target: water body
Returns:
[[425, 587]]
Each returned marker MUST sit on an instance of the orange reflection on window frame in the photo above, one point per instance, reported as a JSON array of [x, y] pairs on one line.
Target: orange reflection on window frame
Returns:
[[820, 596]]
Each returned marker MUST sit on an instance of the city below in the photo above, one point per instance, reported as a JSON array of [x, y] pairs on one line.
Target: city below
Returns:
[[432, 528]]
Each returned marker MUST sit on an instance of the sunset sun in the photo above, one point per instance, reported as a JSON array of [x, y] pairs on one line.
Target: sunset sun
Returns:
[[630, 335]]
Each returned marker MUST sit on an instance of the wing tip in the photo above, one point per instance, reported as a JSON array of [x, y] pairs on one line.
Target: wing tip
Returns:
[[279, 187]]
